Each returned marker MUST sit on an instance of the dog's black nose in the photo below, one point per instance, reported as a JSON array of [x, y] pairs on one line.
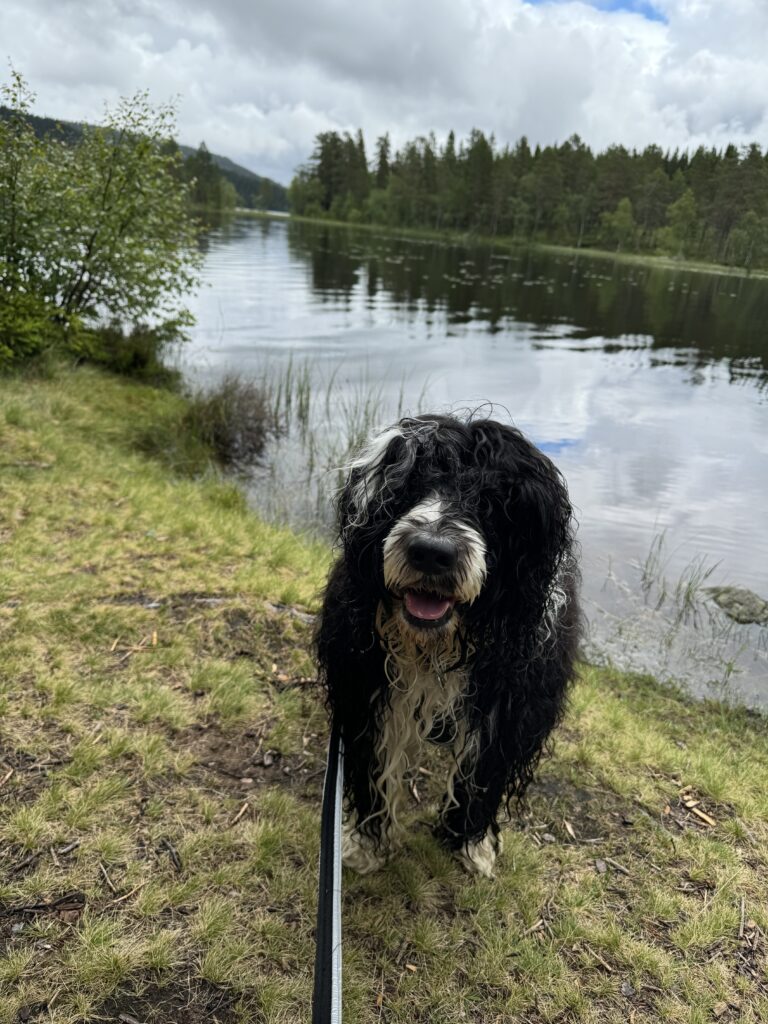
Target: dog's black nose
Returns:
[[432, 555]]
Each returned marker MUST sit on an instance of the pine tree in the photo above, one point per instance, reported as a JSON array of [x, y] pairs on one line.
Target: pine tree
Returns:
[[383, 150]]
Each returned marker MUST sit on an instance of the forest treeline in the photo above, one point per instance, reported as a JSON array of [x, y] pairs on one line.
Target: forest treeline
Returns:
[[710, 205]]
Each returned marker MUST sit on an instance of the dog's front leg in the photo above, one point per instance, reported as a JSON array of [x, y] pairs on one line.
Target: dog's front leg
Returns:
[[372, 827], [361, 851], [468, 823], [367, 831]]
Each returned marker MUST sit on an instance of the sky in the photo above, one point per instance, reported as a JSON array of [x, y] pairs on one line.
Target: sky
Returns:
[[258, 80]]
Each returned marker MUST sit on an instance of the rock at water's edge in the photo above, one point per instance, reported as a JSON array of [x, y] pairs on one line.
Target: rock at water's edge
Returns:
[[740, 604]]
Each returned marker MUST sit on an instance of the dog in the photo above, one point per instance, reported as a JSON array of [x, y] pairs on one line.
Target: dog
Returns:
[[450, 616]]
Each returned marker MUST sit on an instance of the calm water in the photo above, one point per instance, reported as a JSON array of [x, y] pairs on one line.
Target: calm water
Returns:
[[649, 388]]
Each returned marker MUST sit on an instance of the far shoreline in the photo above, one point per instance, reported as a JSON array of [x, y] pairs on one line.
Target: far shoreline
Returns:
[[466, 238]]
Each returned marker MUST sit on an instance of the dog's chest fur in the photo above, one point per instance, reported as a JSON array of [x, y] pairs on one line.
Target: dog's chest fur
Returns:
[[426, 692]]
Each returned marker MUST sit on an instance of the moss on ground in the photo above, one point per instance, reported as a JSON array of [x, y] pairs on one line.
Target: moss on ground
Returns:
[[161, 756]]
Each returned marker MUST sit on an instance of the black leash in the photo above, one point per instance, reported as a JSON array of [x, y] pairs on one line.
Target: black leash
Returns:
[[326, 998]]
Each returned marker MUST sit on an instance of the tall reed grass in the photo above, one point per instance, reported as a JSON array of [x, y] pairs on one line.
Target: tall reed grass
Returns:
[[319, 422]]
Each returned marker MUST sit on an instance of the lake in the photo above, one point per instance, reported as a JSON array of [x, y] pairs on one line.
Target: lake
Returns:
[[648, 387]]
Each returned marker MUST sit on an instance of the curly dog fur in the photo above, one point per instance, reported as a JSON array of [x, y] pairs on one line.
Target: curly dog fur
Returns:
[[450, 616]]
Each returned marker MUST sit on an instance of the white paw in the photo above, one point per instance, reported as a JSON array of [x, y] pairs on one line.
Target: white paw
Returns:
[[359, 852], [479, 858]]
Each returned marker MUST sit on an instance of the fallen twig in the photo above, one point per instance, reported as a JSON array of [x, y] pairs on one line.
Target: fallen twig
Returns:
[[535, 927], [71, 901], [380, 997], [26, 465], [239, 814], [599, 959], [107, 879], [25, 863], [146, 643], [615, 864], [703, 816], [127, 895]]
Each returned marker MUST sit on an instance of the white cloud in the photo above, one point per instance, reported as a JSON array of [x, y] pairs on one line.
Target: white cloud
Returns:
[[257, 82]]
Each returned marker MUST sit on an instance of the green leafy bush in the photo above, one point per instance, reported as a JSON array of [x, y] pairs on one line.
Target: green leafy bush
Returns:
[[90, 233], [136, 352], [26, 325]]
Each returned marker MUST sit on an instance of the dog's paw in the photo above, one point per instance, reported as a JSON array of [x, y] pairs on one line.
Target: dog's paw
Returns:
[[479, 858], [359, 852]]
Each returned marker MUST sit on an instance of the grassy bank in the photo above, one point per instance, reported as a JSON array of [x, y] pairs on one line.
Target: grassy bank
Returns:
[[161, 756], [466, 238]]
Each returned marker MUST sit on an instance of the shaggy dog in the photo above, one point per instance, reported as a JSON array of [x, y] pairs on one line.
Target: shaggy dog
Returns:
[[451, 616]]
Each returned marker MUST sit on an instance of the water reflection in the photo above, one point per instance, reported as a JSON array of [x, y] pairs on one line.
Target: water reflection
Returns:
[[624, 374], [684, 317]]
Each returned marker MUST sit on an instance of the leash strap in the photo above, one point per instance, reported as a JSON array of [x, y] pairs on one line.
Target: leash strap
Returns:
[[326, 998]]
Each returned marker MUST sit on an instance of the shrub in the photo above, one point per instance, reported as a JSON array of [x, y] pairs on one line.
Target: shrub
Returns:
[[234, 419], [137, 352], [26, 324], [91, 232], [228, 425]]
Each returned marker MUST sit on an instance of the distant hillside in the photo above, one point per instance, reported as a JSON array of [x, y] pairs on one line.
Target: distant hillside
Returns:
[[253, 190], [66, 131]]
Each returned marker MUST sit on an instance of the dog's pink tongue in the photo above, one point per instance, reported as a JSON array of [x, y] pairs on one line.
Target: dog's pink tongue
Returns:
[[426, 606]]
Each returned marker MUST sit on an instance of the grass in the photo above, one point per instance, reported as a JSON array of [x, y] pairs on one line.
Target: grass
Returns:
[[685, 594], [161, 755], [658, 259]]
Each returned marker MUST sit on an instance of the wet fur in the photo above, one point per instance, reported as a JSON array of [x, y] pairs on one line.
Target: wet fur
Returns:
[[496, 677]]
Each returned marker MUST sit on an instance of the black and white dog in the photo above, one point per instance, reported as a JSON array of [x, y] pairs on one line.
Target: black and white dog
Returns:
[[450, 616]]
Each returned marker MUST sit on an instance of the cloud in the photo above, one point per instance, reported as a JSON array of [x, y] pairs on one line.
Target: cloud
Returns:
[[257, 82]]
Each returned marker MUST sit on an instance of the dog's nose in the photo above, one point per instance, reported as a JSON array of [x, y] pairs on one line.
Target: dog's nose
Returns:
[[432, 555]]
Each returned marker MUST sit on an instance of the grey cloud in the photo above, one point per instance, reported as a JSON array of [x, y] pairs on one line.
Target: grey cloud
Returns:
[[258, 81], [401, 43]]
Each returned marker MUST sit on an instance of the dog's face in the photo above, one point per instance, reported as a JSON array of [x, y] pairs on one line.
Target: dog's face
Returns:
[[444, 518], [434, 562]]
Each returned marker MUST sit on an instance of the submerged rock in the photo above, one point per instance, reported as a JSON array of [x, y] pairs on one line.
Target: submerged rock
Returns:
[[740, 604]]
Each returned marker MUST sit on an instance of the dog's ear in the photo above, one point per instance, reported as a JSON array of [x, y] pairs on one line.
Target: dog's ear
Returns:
[[527, 509], [542, 513], [375, 477]]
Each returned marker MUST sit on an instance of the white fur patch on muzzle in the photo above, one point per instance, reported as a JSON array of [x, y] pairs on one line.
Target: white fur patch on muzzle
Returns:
[[450, 568]]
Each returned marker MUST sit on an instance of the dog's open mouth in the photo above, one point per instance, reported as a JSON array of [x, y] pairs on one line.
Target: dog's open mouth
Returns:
[[427, 610]]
